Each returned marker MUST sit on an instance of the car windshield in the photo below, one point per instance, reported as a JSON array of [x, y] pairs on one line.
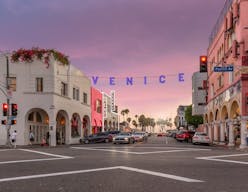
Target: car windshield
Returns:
[[124, 134], [201, 134], [138, 133]]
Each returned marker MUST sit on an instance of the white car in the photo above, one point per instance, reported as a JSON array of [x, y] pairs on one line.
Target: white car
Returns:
[[139, 136], [201, 138], [123, 138]]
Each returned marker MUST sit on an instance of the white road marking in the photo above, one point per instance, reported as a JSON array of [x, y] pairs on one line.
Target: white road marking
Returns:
[[158, 174], [55, 174], [58, 157], [6, 150], [48, 154], [140, 153], [216, 158]]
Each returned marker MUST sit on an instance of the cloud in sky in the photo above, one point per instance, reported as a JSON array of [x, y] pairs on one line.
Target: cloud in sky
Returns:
[[119, 38]]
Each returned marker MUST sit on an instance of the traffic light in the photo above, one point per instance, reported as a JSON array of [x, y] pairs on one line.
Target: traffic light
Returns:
[[4, 122], [14, 109], [203, 64], [13, 122], [5, 109]]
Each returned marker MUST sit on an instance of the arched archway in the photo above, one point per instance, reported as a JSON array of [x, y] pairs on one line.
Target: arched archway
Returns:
[[75, 125], [211, 117], [234, 110], [86, 126], [235, 116], [62, 122], [38, 122], [206, 118], [225, 128]]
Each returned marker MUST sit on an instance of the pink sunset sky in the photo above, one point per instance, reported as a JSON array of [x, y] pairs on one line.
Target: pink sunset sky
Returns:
[[120, 38]]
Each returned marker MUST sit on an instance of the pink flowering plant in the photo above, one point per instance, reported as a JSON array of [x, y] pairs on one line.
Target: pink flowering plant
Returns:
[[28, 55]]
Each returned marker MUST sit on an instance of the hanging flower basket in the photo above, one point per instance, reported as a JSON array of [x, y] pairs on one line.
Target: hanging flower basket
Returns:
[[28, 55]]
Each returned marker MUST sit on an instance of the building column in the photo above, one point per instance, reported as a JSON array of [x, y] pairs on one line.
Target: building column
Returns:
[[216, 126], [222, 132], [206, 128], [210, 131], [243, 131], [231, 135], [52, 126]]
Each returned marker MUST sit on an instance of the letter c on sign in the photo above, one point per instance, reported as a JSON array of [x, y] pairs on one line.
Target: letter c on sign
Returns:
[[162, 78]]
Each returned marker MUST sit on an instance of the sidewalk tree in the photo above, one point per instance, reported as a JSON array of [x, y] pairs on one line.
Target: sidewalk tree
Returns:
[[192, 120]]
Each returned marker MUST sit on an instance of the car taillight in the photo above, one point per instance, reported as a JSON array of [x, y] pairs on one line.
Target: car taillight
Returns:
[[195, 137], [207, 137]]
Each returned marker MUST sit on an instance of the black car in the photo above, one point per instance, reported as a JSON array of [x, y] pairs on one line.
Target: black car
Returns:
[[102, 137]]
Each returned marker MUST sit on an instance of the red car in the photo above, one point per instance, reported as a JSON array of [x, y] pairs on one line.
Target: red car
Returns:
[[185, 135], [161, 134]]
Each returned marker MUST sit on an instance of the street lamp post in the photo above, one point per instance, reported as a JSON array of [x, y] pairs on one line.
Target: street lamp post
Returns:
[[8, 103]]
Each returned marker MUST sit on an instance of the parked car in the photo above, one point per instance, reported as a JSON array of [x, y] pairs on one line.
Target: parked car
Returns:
[[201, 138], [113, 133], [140, 136], [185, 135], [161, 134], [123, 138], [172, 133], [97, 138]]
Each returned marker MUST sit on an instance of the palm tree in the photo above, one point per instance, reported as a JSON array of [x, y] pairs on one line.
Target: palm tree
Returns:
[[136, 117], [129, 119], [126, 111], [142, 121], [135, 124], [123, 114]]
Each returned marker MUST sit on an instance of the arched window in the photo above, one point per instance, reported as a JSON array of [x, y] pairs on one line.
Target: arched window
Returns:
[[35, 117], [38, 117]]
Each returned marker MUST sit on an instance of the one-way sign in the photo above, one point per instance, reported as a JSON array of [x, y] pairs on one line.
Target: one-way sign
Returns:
[[224, 69]]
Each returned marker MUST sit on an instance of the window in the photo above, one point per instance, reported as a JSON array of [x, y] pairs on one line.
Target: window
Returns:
[[231, 77], [64, 89], [212, 90], [12, 83], [39, 84], [220, 81], [85, 98], [98, 106], [76, 94]]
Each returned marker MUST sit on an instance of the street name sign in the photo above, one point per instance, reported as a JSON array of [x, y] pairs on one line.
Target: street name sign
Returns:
[[223, 69]]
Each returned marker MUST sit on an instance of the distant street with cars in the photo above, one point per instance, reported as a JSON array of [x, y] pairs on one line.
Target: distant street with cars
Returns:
[[158, 164]]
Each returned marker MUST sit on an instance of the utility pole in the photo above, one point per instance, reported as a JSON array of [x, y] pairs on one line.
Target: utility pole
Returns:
[[8, 126]]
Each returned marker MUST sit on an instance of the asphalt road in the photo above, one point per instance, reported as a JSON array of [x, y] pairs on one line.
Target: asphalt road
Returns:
[[158, 165]]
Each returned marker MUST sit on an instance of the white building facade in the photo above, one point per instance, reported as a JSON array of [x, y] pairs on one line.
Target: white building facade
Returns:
[[199, 93], [53, 101], [110, 112]]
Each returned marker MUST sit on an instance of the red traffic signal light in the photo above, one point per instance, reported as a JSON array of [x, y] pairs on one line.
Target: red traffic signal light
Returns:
[[5, 109], [203, 64], [14, 109]]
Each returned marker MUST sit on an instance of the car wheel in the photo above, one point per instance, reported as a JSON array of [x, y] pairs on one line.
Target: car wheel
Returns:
[[106, 140]]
